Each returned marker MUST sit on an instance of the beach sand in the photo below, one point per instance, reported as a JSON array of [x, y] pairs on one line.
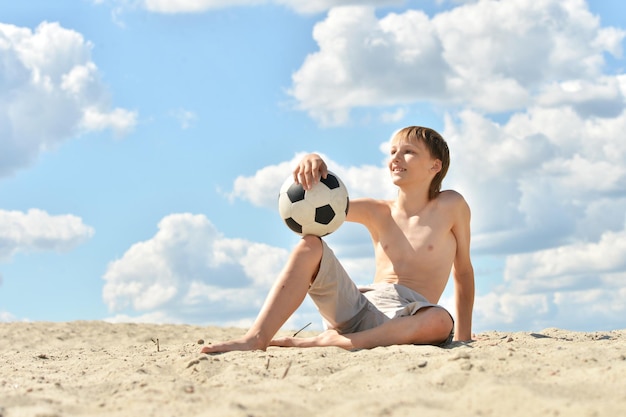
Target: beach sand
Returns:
[[97, 368]]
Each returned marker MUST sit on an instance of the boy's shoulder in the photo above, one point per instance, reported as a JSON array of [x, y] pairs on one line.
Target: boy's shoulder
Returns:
[[450, 195], [451, 198]]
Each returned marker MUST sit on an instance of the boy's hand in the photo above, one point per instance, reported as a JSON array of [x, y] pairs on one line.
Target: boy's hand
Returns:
[[309, 171]]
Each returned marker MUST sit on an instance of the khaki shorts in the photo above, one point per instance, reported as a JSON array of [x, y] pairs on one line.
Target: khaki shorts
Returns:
[[350, 309]]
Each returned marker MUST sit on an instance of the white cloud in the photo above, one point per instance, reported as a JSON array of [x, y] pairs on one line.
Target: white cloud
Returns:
[[316, 6], [194, 6], [579, 265], [544, 178], [395, 116], [6, 317], [601, 97], [261, 189], [186, 118], [552, 40], [462, 56], [37, 230], [366, 61], [309, 6], [568, 287], [152, 317], [506, 311], [50, 91], [188, 271], [121, 121]]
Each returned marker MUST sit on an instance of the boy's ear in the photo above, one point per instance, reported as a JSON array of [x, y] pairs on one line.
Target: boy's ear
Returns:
[[436, 167]]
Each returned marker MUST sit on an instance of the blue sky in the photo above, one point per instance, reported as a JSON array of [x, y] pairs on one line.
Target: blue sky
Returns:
[[142, 145]]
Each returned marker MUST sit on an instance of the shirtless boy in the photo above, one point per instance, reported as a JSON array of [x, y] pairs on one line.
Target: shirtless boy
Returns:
[[418, 238]]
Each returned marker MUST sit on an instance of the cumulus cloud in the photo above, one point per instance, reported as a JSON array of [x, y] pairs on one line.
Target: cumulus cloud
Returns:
[[365, 61], [602, 97], [188, 271], [310, 6], [6, 317], [194, 6], [37, 230], [588, 309], [493, 56], [50, 91], [261, 189], [186, 118], [577, 266], [393, 117], [541, 179]]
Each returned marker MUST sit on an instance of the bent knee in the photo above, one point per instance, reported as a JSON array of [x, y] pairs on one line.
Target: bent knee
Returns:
[[307, 255], [437, 325], [311, 244]]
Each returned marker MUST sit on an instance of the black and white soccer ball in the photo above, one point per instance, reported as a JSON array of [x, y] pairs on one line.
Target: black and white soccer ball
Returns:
[[318, 211]]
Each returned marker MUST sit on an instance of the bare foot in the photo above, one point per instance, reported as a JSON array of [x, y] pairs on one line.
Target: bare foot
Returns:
[[327, 338], [234, 345], [293, 342]]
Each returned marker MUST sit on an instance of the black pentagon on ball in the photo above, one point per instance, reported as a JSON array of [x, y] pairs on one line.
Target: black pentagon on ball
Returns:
[[330, 181], [293, 225], [324, 214], [295, 193]]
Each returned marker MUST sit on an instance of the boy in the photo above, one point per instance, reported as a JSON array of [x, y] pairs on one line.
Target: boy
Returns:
[[418, 239]]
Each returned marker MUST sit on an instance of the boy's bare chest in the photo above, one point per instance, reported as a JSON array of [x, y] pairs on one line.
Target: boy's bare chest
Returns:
[[409, 239], [417, 256]]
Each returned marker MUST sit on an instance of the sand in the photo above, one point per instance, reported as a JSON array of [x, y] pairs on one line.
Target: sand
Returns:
[[97, 368]]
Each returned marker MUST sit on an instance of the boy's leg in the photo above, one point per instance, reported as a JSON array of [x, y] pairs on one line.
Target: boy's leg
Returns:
[[338, 299], [430, 325], [284, 298]]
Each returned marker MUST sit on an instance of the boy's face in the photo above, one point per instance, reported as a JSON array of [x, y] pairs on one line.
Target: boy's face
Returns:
[[411, 162]]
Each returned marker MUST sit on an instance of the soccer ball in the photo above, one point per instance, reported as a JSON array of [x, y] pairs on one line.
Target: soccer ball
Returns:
[[318, 211]]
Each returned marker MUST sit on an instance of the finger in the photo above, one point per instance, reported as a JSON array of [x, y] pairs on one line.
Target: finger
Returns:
[[299, 174], [320, 168], [324, 170], [311, 179], [301, 179], [296, 173], [308, 175]]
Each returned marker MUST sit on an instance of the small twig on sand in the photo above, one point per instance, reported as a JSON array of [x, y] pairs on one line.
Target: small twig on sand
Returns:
[[156, 342], [296, 333], [286, 370]]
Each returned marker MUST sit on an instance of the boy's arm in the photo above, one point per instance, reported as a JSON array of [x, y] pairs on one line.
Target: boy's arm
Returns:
[[463, 274], [464, 299], [308, 173]]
